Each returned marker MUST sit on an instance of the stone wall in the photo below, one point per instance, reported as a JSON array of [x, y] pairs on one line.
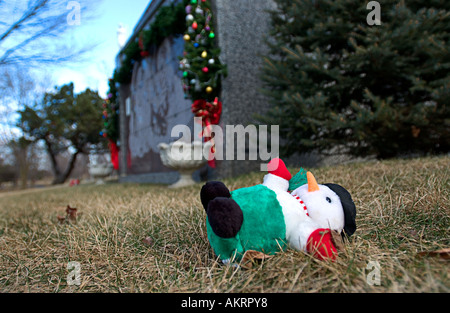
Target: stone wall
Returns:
[[156, 105], [242, 27]]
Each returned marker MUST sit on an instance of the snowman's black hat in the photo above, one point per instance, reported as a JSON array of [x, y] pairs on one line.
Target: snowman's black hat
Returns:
[[349, 209]]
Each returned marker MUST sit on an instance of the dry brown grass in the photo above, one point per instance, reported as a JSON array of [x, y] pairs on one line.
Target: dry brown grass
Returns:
[[403, 209]]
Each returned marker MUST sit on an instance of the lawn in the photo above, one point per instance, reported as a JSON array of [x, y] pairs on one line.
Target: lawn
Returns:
[[147, 238]]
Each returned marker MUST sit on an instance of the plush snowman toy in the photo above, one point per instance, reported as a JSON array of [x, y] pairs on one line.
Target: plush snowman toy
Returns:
[[277, 214]]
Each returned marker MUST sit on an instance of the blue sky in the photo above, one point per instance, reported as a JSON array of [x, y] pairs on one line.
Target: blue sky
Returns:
[[102, 29]]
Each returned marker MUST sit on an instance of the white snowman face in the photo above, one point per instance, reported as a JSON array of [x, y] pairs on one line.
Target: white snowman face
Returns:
[[324, 205]]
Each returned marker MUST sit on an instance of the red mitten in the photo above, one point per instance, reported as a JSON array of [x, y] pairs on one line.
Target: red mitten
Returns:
[[278, 168], [321, 246]]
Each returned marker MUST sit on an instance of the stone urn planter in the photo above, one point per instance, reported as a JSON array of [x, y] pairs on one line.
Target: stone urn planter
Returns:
[[100, 171], [184, 157]]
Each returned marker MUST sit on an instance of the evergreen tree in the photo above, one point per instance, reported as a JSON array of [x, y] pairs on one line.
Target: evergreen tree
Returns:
[[380, 90]]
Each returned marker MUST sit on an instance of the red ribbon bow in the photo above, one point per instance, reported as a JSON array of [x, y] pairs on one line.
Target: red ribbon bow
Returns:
[[210, 114]]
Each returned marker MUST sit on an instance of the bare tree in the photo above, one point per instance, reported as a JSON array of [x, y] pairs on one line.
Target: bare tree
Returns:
[[18, 88], [30, 29]]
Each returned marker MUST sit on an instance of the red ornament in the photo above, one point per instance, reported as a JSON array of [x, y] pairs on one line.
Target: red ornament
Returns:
[[194, 25], [205, 69]]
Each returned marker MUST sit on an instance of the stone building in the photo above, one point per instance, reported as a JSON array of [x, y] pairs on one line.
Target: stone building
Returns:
[[154, 101]]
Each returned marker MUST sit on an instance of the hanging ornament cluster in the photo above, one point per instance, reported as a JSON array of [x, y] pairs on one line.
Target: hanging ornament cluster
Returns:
[[200, 64], [201, 67]]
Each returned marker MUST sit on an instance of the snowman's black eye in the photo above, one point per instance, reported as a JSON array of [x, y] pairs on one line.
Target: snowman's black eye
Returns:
[[328, 199]]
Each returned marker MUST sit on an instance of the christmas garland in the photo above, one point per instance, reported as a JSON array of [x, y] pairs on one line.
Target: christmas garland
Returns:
[[111, 123], [111, 114], [168, 22]]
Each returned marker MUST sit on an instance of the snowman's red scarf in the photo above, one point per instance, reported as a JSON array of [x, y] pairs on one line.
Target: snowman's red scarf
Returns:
[[301, 202]]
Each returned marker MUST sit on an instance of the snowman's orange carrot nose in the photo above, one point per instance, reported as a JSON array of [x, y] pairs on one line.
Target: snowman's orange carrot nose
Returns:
[[312, 183]]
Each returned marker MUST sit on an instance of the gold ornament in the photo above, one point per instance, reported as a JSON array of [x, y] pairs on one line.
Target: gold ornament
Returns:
[[209, 89], [187, 37], [204, 54]]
